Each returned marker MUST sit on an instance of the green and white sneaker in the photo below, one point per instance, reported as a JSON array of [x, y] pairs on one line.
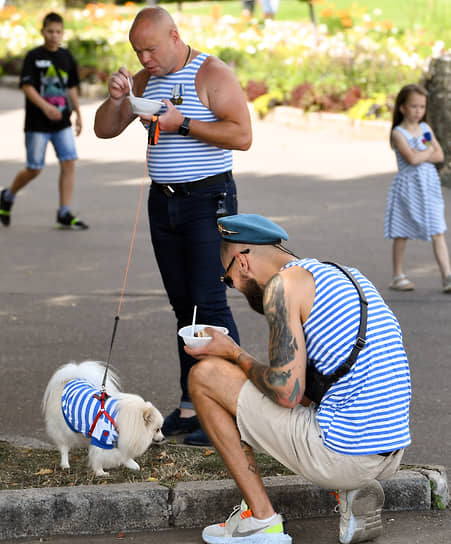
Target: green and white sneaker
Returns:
[[69, 222], [242, 528], [360, 513]]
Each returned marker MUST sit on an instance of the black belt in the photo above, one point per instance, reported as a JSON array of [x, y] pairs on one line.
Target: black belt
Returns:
[[172, 189], [387, 453]]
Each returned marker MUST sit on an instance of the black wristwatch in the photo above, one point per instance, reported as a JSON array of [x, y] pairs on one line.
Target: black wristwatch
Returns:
[[184, 127]]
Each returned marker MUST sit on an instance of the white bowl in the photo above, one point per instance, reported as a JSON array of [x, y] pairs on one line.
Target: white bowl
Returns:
[[145, 106], [196, 341]]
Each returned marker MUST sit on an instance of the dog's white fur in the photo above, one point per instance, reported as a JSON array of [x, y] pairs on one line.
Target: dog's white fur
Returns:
[[138, 422]]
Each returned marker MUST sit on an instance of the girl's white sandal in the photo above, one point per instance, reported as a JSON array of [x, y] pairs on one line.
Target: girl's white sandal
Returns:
[[401, 283]]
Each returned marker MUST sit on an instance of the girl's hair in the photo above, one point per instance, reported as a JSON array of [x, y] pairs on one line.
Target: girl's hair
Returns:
[[52, 17], [401, 99]]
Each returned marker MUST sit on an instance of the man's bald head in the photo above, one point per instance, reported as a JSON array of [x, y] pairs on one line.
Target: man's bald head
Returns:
[[155, 16]]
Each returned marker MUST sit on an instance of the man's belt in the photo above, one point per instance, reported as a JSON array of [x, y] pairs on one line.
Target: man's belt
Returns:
[[388, 453], [185, 189]]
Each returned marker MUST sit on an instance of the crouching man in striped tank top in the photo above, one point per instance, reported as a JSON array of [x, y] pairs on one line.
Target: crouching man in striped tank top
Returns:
[[325, 319], [204, 117]]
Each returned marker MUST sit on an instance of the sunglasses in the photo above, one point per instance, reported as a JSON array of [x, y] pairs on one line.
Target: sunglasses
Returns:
[[227, 279]]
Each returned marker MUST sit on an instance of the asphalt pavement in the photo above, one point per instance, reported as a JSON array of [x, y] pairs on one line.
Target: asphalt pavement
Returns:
[[59, 291], [431, 527]]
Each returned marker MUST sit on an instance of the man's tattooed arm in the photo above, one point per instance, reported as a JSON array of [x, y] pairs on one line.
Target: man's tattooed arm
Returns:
[[283, 380]]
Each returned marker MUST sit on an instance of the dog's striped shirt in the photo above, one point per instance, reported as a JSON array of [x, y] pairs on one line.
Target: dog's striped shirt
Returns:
[[81, 404]]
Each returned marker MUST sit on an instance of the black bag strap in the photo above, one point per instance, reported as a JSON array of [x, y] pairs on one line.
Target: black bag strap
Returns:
[[361, 334]]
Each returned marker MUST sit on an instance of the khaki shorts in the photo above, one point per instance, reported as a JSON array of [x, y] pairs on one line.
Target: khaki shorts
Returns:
[[293, 437]]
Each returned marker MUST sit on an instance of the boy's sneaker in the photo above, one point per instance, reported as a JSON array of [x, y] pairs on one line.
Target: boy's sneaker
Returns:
[[70, 222], [242, 528], [5, 209], [360, 513]]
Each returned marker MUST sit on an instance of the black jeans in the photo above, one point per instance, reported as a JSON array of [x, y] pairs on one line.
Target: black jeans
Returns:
[[186, 242]]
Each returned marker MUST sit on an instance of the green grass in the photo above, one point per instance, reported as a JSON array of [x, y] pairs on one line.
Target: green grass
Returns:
[[430, 15]]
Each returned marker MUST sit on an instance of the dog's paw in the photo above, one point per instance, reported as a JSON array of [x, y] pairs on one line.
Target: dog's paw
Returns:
[[131, 464], [65, 466], [101, 473]]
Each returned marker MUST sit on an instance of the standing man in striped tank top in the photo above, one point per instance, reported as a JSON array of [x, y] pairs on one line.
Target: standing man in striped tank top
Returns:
[[205, 116], [321, 316]]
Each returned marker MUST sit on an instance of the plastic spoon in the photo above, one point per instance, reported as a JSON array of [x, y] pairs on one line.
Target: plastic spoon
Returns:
[[129, 84], [131, 87], [194, 320]]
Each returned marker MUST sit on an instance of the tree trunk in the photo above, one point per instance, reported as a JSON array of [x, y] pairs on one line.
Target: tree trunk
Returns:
[[438, 83], [312, 12]]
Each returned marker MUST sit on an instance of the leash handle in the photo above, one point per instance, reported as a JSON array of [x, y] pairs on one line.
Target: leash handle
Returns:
[[154, 131]]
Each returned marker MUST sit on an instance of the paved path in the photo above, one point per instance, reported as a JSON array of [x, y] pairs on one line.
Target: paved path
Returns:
[[399, 528], [59, 290]]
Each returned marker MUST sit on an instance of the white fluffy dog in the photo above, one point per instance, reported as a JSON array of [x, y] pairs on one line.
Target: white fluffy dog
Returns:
[[115, 431]]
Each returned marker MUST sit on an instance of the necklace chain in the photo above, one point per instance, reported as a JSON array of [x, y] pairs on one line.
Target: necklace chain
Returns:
[[187, 56]]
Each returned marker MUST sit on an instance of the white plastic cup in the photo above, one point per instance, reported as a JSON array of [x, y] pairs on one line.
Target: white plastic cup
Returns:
[[197, 341], [145, 106]]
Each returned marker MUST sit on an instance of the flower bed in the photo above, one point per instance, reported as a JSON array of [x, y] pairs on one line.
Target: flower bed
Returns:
[[351, 62]]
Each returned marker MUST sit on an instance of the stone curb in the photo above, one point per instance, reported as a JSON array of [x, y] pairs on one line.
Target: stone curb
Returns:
[[108, 509]]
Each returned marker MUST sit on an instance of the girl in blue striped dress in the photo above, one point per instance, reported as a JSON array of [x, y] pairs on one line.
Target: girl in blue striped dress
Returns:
[[415, 206]]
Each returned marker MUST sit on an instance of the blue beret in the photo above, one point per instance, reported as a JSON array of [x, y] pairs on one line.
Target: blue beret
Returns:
[[248, 228]]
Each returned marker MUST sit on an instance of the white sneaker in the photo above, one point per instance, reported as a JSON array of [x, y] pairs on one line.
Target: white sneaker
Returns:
[[360, 513], [242, 528]]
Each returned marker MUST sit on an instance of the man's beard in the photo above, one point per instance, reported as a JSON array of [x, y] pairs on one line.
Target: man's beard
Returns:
[[254, 295]]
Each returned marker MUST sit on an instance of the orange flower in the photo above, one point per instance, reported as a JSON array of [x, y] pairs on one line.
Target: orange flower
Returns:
[[216, 12], [129, 4], [326, 12], [346, 22], [387, 24], [8, 11], [342, 13]]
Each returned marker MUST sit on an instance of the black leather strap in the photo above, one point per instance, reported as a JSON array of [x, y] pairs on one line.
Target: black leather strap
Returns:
[[361, 334], [185, 189]]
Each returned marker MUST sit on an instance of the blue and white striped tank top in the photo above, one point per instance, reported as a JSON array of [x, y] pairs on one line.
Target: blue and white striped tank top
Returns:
[[179, 158], [366, 411], [80, 408]]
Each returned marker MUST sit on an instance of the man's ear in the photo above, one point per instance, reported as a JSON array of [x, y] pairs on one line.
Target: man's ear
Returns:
[[174, 35], [242, 259]]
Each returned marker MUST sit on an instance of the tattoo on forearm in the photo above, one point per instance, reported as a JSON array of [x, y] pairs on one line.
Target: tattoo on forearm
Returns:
[[296, 394]]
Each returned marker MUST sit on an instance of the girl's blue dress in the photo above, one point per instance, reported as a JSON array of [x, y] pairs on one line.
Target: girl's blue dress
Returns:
[[415, 207]]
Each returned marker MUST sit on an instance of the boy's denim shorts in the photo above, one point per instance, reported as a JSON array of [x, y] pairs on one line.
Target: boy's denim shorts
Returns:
[[270, 6], [36, 144]]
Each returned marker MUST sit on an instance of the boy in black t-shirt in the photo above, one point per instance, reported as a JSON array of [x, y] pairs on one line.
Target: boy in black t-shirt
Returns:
[[49, 81]]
